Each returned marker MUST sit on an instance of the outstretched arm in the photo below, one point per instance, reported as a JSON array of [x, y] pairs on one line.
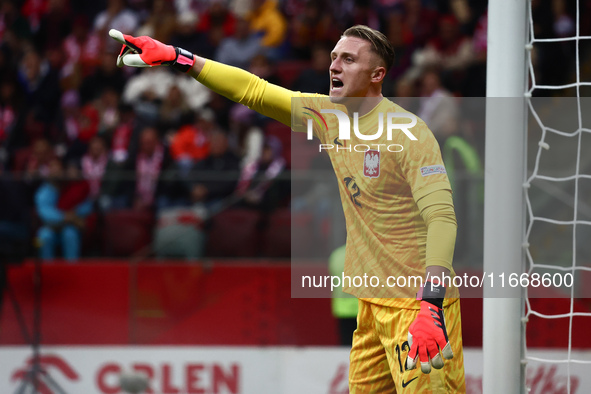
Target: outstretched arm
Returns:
[[231, 82], [245, 88]]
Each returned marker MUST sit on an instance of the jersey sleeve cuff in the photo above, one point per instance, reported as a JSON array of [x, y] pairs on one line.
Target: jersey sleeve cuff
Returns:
[[428, 189], [204, 71]]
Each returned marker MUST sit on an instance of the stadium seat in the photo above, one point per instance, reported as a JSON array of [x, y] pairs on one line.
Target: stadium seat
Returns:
[[234, 233], [283, 228], [276, 240], [126, 232], [91, 235]]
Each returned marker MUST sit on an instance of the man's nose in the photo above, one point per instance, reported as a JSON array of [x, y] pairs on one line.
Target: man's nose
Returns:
[[335, 66]]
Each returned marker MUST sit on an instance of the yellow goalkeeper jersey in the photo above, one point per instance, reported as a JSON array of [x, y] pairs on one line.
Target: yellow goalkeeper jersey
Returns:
[[379, 187]]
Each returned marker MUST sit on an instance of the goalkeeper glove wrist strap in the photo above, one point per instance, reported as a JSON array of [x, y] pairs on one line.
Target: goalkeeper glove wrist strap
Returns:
[[434, 294], [184, 60]]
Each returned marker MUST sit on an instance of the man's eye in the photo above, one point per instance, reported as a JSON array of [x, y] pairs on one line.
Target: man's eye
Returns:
[[349, 60]]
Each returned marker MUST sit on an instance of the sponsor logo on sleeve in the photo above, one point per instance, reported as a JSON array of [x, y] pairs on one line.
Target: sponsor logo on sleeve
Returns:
[[432, 170]]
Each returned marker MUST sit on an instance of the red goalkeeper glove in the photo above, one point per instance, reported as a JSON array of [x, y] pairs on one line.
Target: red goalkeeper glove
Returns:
[[427, 335], [146, 52]]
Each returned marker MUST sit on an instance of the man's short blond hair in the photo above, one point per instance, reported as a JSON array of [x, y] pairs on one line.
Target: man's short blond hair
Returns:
[[379, 42]]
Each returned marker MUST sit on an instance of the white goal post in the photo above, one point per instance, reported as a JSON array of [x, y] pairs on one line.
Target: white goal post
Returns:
[[504, 215]]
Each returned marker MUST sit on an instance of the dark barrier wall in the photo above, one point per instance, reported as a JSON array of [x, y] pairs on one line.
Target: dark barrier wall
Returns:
[[112, 302]]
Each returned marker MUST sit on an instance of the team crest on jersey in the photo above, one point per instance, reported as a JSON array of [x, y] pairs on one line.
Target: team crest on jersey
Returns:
[[371, 164]]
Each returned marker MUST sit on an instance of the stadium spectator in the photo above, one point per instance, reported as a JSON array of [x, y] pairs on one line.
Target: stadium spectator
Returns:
[[405, 92], [364, 14], [54, 25], [41, 88], [438, 108], [421, 20], [147, 103], [94, 164], [74, 189], [263, 67], [69, 120], [34, 10], [207, 121], [42, 154], [146, 96], [85, 125], [217, 17], [216, 22], [400, 35], [239, 49], [195, 7], [314, 79], [266, 20], [9, 107], [186, 32], [81, 48], [107, 106], [221, 161], [88, 122], [105, 76], [258, 184], [120, 191], [15, 26], [246, 138], [122, 135], [151, 159], [475, 80], [449, 50], [78, 125], [189, 145], [161, 22], [58, 223], [564, 23], [313, 24], [174, 110], [116, 16]]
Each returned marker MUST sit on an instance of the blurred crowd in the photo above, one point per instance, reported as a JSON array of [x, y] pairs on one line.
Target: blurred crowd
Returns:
[[87, 137]]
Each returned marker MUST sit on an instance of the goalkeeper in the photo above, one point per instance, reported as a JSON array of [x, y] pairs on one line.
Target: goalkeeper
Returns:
[[398, 208]]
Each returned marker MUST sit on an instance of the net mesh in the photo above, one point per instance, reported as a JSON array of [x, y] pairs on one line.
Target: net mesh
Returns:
[[558, 213]]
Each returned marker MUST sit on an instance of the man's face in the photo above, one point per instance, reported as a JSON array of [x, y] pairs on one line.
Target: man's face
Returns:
[[353, 63], [218, 144], [148, 141], [55, 170], [96, 148], [430, 84]]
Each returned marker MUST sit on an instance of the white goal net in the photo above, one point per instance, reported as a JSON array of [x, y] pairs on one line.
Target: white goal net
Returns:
[[558, 197]]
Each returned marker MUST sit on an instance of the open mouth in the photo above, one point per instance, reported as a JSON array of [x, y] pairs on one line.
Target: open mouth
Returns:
[[336, 83]]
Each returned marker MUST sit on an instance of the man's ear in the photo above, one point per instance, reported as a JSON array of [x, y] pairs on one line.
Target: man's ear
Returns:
[[378, 74]]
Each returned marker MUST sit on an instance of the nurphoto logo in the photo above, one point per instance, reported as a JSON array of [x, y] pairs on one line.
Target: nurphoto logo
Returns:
[[345, 129]]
